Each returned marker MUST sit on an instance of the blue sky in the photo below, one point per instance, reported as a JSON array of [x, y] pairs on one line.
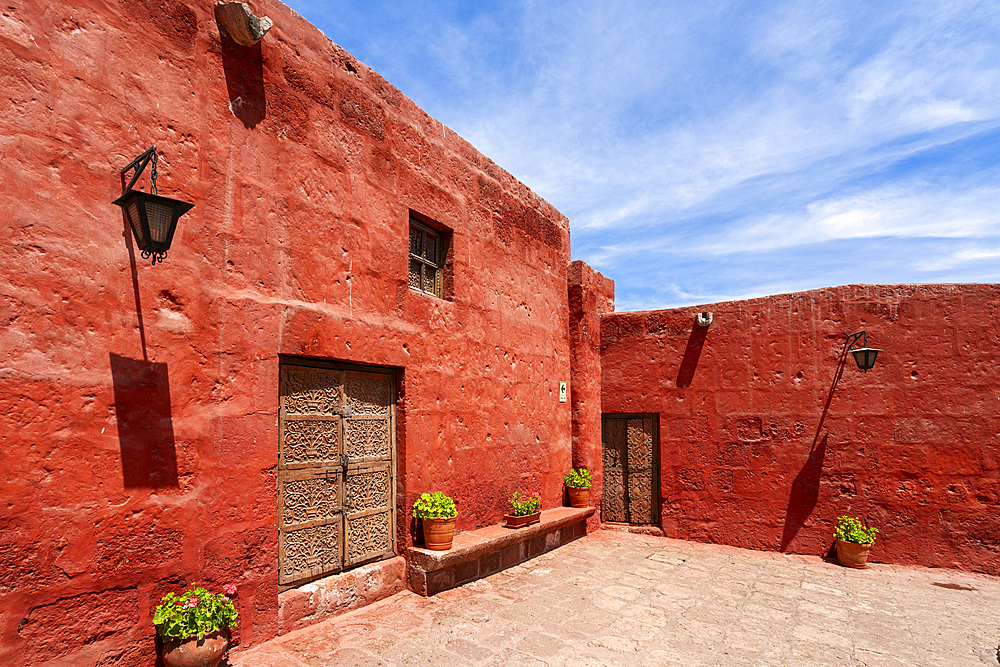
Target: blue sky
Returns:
[[714, 151]]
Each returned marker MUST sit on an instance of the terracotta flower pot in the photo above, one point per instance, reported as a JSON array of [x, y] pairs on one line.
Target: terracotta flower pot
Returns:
[[193, 652], [511, 521], [578, 496], [439, 533], [850, 554]]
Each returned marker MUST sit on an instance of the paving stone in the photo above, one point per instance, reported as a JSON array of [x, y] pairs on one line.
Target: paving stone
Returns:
[[540, 645], [896, 643], [664, 658], [871, 659], [351, 657], [641, 632], [763, 615], [710, 613], [622, 592], [613, 598], [761, 644], [472, 651], [512, 658], [810, 654], [704, 631], [779, 602], [645, 615], [818, 635], [617, 643], [838, 626]]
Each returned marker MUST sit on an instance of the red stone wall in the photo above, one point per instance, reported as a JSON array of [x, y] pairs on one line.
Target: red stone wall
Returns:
[[590, 295], [765, 439], [138, 404]]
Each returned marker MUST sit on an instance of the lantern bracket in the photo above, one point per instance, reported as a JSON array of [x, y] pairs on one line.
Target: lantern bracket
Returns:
[[853, 338], [139, 164]]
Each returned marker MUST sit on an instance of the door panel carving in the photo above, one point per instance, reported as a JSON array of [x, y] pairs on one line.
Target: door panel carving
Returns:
[[367, 490], [639, 491], [309, 499], [309, 443], [613, 501], [311, 391], [629, 452], [368, 536], [309, 552], [367, 393], [368, 438], [336, 467]]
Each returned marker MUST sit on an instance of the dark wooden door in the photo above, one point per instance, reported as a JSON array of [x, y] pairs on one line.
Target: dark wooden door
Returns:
[[336, 468], [629, 444]]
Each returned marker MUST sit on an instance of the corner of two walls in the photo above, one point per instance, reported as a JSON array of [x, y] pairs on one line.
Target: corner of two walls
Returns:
[[591, 295]]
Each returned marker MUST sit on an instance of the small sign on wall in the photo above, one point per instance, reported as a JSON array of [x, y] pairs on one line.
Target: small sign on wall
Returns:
[[562, 392]]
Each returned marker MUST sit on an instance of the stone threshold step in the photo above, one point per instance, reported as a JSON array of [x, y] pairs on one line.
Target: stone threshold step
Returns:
[[479, 553]]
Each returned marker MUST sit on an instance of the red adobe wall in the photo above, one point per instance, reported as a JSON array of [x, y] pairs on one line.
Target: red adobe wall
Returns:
[[761, 446], [303, 166], [591, 295]]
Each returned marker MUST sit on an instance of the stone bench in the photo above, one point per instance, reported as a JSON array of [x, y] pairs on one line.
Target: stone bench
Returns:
[[479, 553]]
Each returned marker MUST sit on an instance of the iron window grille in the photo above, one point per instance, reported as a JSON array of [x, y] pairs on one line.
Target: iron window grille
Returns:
[[427, 257]]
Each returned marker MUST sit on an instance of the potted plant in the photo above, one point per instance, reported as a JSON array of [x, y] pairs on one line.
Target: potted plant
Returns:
[[577, 482], [854, 541], [193, 626], [523, 511], [437, 514]]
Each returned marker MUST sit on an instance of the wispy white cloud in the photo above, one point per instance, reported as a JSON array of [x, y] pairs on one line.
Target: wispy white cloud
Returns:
[[967, 255], [897, 211], [674, 131]]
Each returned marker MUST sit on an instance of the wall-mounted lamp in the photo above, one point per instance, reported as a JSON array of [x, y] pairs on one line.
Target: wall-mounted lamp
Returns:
[[864, 356], [703, 319], [152, 218]]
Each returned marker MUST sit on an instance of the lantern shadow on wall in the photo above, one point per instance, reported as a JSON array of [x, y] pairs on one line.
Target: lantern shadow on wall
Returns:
[[804, 493], [145, 424]]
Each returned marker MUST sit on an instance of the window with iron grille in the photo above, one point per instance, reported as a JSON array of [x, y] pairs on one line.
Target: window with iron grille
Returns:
[[428, 250]]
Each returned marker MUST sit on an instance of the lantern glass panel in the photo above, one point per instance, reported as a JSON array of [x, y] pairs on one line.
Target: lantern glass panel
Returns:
[[135, 222], [160, 216]]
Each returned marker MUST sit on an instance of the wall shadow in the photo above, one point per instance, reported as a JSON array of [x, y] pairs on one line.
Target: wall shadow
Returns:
[[805, 493], [145, 424], [805, 487], [244, 70], [696, 341]]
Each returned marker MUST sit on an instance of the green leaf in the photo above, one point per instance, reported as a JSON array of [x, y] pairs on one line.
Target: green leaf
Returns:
[[174, 620]]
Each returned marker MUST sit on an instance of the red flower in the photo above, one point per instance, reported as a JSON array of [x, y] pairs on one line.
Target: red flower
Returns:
[[229, 589]]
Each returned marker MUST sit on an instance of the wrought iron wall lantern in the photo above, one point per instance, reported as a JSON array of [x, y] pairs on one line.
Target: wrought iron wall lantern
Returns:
[[152, 218], [864, 356]]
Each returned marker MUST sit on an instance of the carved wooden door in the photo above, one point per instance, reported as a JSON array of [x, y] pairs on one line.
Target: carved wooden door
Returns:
[[629, 445], [336, 468]]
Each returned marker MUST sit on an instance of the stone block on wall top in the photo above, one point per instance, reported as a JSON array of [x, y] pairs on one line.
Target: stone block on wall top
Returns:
[[240, 23]]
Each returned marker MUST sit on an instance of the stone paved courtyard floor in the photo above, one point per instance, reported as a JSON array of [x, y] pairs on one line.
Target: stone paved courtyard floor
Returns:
[[614, 598]]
